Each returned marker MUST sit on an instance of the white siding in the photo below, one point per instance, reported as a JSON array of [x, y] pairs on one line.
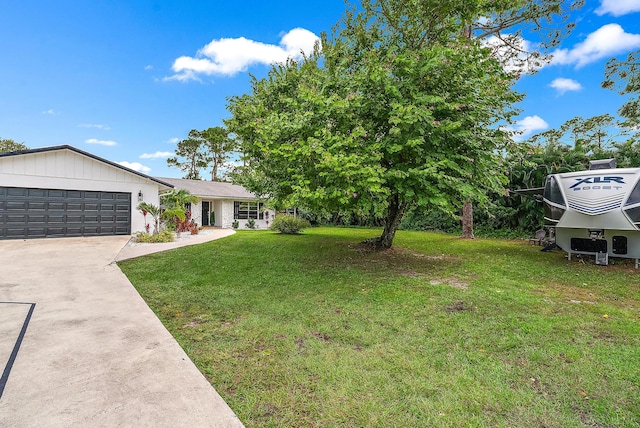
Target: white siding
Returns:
[[217, 208], [227, 214], [223, 209], [227, 209]]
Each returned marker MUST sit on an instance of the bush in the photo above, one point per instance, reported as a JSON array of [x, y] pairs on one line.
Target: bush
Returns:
[[288, 224], [250, 224], [164, 236]]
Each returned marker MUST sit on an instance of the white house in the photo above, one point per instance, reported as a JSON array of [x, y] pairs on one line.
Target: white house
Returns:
[[220, 204], [63, 191]]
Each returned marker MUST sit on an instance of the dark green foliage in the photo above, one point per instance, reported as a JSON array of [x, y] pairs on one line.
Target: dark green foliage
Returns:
[[425, 219], [624, 78], [191, 155], [164, 236], [219, 147], [289, 224], [175, 214]]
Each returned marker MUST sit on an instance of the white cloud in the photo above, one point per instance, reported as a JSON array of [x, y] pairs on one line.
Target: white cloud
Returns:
[[618, 7], [156, 155], [563, 85], [173, 140], [136, 166], [528, 126], [148, 67], [516, 54], [94, 125], [101, 142], [228, 57], [607, 41], [50, 112]]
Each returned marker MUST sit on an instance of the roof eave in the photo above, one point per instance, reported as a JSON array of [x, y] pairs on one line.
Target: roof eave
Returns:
[[87, 154]]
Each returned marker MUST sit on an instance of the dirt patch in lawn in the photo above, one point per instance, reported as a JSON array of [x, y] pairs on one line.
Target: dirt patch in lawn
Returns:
[[399, 261]]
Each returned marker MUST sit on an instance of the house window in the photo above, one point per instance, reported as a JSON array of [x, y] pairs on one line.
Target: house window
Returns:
[[247, 210]]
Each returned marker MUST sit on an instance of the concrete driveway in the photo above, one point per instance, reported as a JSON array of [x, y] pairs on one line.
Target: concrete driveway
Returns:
[[93, 353]]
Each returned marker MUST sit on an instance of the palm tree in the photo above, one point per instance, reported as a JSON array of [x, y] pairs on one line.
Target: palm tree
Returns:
[[174, 205], [155, 213]]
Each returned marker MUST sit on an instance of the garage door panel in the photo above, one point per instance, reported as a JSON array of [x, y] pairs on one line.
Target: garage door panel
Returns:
[[122, 230], [18, 219], [39, 213], [74, 230], [107, 230], [17, 192], [55, 230], [55, 206], [36, 206], [59, 194], [34, 232], [56, 218], [16, 206], [36, 219], [36, 193], [15, 232]]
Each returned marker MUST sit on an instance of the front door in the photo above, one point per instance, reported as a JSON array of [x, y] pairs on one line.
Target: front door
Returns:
[[205, 213]]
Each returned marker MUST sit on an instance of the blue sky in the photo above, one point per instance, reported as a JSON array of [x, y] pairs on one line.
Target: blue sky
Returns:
[[126, 80]]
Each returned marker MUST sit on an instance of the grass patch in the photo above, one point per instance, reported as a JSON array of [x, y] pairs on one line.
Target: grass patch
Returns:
[[314, 330]]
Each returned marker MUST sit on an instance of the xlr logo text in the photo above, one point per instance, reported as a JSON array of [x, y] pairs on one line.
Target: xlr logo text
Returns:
[[598, 183]]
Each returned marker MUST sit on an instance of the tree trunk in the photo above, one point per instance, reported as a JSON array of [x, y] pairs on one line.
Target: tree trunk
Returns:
[[467, 220], [214, 171], [395, 212]]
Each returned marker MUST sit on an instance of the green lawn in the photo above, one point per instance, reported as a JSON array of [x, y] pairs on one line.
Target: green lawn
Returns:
[[313, 330]]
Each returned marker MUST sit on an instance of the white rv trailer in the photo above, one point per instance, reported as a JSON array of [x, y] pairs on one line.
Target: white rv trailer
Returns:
[[595, 212]]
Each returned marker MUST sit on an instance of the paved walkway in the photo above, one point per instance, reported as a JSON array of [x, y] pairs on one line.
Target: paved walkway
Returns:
[[132, 250], [93, 354]]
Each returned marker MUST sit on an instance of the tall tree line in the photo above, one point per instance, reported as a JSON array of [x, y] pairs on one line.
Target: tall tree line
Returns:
[[568, 148], [210, 149]]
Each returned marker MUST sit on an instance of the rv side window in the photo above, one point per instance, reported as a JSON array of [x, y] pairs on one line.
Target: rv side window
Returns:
[[634, 214], [552, 191], [634, 197]]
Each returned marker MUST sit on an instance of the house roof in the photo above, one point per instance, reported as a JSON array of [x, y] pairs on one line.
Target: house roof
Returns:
[[210, 189], [83, 153]]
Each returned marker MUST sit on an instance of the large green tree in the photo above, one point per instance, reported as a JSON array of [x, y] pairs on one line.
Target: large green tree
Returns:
[[219, 148], [7, 145], [191, 155], [623, 76], [401, 107], [210, 148]]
